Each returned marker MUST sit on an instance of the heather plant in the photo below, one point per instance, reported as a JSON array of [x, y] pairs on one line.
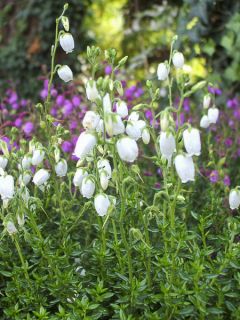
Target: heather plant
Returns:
[[99, 238]]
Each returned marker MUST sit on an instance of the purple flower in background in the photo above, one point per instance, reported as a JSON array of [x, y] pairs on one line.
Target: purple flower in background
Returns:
[[54, 112], [186, 105], [148, 115], [76, 100], [108, 69], [214, 176], [232, 103], [18, 122], [13, 97], [226, 180], [214, 90], [23, 103], [157, 185], [228, 142], [28, 128], [15, 106], [44, 94], [54, 92], [73, 125], [236, 113], [60, 100], [67, 147], [68, 108]]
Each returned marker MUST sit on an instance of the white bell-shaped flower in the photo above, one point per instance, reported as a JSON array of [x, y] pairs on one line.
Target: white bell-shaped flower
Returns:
[[61, 168], [91, 90], [11, 229], [145, 136], [6, 187], [104, 165], [67, 42], [101, 204], [167, 145], [3, 162], [134, 129], [104, 180], [24, 178], [26, 162], [213, 114], [122, 108], [21, 220], [107, 105], [234, 199], [100, 126], [91, 120], [162, 71], [204, 122], [65, 73], [78, 177], [41, 177], [117, 125], [38, 156], [87, 187], [127, 149], [178, 60], [134, 116], [192, 141], [85, 144], [206, 101], [185, 168]]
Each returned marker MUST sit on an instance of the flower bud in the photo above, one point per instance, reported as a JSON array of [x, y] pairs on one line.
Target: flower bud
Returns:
[[41, 177], [122, 108], [87, 187], [234, 199], [67, 42], [178, 60], [164, 121], [145, 136], [6, 187], [127, 149], [192, 142], [90, 120], [107, 105], [38, 156], [26, 162], [65, 73], [78, 177], [206, 101], [102, 204], [91, 90], [61, 168], [11, 229], [3, 162], [162, 71], [185, 168], [24, 178], [103, 165], [213, 114], [204, 122], [167, 145], [104, 180], [85, 144], [21, 220]]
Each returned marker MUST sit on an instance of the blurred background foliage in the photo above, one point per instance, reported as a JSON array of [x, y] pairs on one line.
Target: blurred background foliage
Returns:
[[208, 35]]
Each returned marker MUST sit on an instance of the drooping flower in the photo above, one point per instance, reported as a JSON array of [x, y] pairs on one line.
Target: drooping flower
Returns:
[[65, 73], [25, 178], [192, 142], [121, 108], [3, 162], [41, 177], [61, 168], [6, 187], [102, 204], [67, 42], [85, 144], [91, 90], [185, 168], [178, 60], [11, 229], [213, 114], [107, 105], [26, 162], [127, 149], [78, 177], [87, 187], [162, 71], [206, 101], [90, 120], [167, 145], [134, 128], [105, 172], [38, 156], [145, 136], [234, 199], [204, 122]]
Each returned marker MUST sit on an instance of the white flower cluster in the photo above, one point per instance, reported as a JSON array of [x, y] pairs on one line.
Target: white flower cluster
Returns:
[[213, 113]]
